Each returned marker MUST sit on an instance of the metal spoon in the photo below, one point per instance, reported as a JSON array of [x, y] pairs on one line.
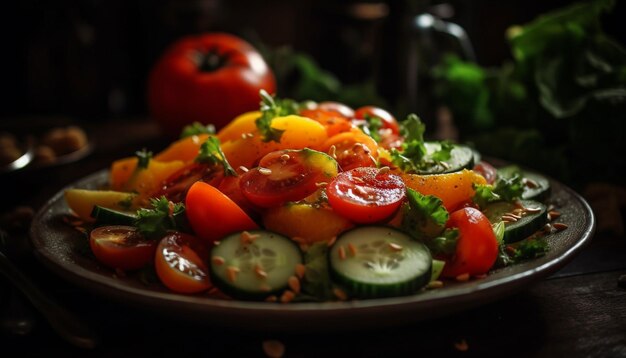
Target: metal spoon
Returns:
[[67, 325]]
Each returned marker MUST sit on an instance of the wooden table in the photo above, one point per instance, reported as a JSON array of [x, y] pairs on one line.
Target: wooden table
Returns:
[[578, 312]]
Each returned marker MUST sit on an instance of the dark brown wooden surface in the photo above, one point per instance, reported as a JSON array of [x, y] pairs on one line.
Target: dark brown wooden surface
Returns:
[[578, 312]]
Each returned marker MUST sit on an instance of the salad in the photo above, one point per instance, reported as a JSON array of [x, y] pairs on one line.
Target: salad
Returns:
[[313, 202]]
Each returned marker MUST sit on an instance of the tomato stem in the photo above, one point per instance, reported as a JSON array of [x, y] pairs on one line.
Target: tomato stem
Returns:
[[212, 61]]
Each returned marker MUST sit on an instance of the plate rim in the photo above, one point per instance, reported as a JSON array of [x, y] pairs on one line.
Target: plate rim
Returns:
[[492, 289]]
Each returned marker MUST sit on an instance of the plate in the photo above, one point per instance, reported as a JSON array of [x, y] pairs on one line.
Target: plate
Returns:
[[61, 249]]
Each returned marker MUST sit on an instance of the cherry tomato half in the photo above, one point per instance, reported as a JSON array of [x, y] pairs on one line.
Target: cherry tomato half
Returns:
[[352, 149], [175, 187], [477, 248], [287, 175], [181, 265], [365, 195], [331, 120], [487, 171], [389, 121], [340, 108], [212, 215], [121, 247]]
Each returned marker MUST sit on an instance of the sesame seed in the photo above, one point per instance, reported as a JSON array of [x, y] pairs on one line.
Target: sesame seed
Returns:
[[342, 253], [294, 284], [332, 151], [287, 296], [340, 294], [273, 348], [435, 284], [265, 171], [232, 272], [260, 273], [244, 169], [560, 226], [360, 190], [395, 247], [218, 260], [332, 240], [445, 165], [352, 249], [244, 135], [300, 270], [321, 184], [530, 183], [509, 218], [285, 157], [358, 180], [248, 238], [463, 277], [383, 170], [532, 210], [547, 228], [553, 214]]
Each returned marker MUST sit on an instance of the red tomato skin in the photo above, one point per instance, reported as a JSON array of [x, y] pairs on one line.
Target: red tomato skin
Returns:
[[180, 92], [212, 215], [120, 256], [389, 121], [189, 248], [337, 107], [387, 191], [487, 171], [477, 248]]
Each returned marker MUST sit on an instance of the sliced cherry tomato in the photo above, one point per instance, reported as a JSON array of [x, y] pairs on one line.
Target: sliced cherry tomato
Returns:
[[121, 247], [332, 121], [365, 195], [175, 187], [181, 265], [212, 214], [340, 108], [477, 248], [389, 121], [230, 186], [487, 171], [352, 149], [287, 175]]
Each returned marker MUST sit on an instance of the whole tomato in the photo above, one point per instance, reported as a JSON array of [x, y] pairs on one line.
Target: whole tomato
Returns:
[[209, 78]]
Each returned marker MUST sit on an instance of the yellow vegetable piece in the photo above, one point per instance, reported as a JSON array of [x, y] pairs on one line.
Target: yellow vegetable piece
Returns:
[[305, 222], [185, 149], [148, 181], [121, 171], [454, 189], [243, 124], [82, 201]]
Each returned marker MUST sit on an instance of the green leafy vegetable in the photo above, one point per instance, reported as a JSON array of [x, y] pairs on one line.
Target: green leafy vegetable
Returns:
[[143, 158], [371, 126], [425, 216], [317, 281], [411, 157], [211, 153], [498, 229], [445, 244], [531, 248], [197, 128], [505, 189], [270, 109], [163, 216]]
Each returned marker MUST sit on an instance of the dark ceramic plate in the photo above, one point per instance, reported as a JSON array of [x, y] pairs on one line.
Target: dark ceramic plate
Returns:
[[62, 249]]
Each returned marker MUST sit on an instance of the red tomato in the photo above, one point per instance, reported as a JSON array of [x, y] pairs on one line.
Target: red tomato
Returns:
[[333, 121], [352, 149], [207, 78], [180, 263], [121, 247], [286, 175], [340, 108], [212, 215], [487, 171], [230, 186], [175, 187], [389, 121], [477, 248], [365, 196]]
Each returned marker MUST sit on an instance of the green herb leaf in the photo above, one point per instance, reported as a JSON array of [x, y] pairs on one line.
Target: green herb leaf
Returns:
[[413, 150], [270, 109], [143, 158], [425, 217], [509, 189], [444, 153], [445, 244], [371, 126], [197, 128], [317, 281], [498, 229], [154, 223], [211, 153], [484, 194]]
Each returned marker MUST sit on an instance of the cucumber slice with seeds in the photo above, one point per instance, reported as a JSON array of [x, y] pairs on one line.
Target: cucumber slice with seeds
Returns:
[[106, 216], [532, 219], [254, 264], [379, 261], [461, 157]]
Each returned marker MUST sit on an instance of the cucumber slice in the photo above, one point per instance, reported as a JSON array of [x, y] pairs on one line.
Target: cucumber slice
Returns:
[[379, 261], [532, 219], [537, 187], [461, 157], [254, 264], [106, 216]]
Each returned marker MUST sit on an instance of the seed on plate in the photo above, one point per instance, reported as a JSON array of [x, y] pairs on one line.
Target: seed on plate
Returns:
[[232, 272], [287, 296], [463, 277], [553, 214], [342, 253], [532, 210], [332, 241], [265, 171], [340, 294], [300, 270], [248, 238], [294, 284], [461, 346], [322, 184], [218, 260], [530, 183], [352, 249], [383, 170], [513, 215], [395, 247], [435, 284], [273, 348], [508, 218], [547, 228], [332, 151], [559, 226], [244, 169], [260, 273]]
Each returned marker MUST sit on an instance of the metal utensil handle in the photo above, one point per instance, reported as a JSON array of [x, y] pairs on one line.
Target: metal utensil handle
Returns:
[[67, 325], [457, 32]]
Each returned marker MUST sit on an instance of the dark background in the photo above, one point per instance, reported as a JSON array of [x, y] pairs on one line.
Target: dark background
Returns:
[[89, 60]]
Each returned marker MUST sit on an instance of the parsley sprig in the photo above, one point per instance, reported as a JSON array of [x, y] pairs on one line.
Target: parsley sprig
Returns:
[[271, 108], [164, 216], [504, 189], [143, 158], [197, 128], [211, 153], [370, 126]]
